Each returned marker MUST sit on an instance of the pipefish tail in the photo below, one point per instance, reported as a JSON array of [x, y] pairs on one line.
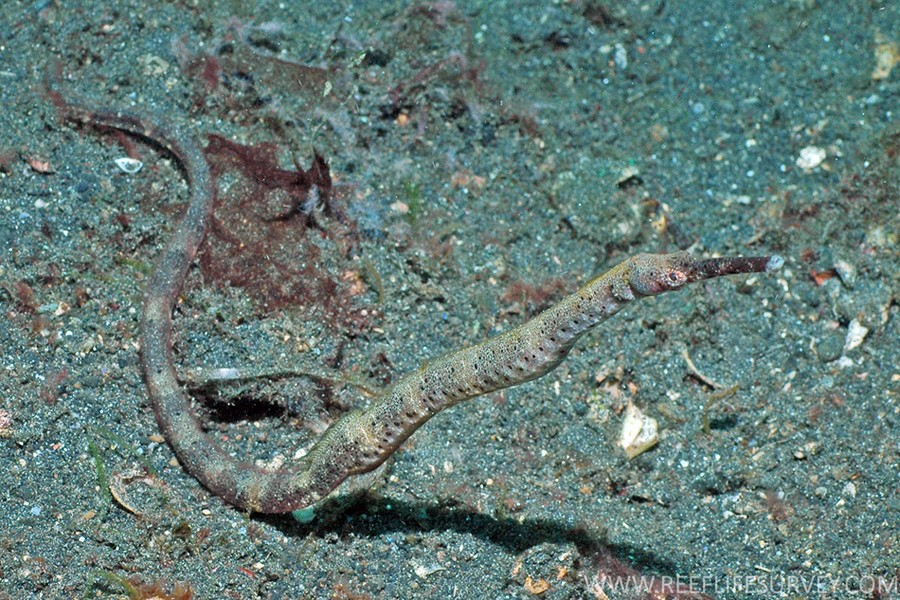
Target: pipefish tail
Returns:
[[362, 440]]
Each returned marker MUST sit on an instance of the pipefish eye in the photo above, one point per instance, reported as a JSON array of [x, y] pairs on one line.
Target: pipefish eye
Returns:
[[676, 278]]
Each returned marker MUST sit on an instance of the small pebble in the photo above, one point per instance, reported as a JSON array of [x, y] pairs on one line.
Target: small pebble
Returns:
[[829, 348], [811, 157], [304, 515]]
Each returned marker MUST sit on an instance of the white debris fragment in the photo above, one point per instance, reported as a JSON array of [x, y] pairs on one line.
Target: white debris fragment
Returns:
[[620, 57], [400, 207], [811, 157], [129, 165], [629, 173], [850, 489], [856, 333], [639, 432], [5, 423], [424, 571], [846, 271], [887, 56]]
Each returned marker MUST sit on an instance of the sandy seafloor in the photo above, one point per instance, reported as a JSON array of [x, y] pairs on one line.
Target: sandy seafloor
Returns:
[[487, 157]]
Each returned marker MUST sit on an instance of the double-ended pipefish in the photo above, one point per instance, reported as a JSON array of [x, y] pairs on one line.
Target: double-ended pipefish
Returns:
[[362, 440]]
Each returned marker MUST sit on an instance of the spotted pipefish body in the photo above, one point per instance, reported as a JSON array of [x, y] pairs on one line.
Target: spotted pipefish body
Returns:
[[361, 440]]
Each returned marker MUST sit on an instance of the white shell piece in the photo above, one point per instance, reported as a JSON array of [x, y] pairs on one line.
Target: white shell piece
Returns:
[[129, 165], [856, 333], [639, 432]]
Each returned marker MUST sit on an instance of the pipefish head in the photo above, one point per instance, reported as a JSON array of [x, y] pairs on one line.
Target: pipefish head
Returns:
[[653, 274]]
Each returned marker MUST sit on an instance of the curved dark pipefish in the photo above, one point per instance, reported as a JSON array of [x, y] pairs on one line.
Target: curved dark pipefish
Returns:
[[362, 440]]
